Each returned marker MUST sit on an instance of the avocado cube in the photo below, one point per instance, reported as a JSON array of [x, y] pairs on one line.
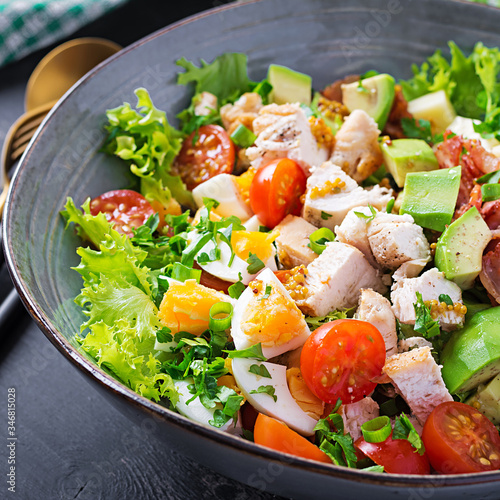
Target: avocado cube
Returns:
[[487, 400], [430, 197], [472, 355], [289, 85], [374, 95], [403, 156], [457, 254]]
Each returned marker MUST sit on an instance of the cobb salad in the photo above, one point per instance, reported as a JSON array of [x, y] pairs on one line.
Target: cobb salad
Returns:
[[316, 271]]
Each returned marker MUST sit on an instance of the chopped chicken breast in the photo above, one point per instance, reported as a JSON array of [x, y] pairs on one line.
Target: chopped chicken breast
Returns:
[[335, 278], [431, 285], [417, 377], [354, 231], [377, 310], [206, 104], [356, 146], [243, 112], [396, 239], [410, 343], [356, 414], [331, 194], [293, 240], [284, 131]]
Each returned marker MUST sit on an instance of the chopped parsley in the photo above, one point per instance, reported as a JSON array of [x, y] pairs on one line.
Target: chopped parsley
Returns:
[[254, 351], [260, 370], [424, 323], [403, 429], [267, 292], [446, 299], [254, 264], [368, 218], [325, 215], [266, 389]]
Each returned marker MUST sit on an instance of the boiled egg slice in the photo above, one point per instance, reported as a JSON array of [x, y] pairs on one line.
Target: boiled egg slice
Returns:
[[185, 307], [285, 408], [266, 313], [223, 189], [243, 243], [195, 410]]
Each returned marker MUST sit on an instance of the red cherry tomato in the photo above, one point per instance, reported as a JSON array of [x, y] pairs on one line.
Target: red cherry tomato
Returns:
[[397, 456], [125, 208], [276, 190], [274, 434], [341, 358], [459, 439], [206, 153]]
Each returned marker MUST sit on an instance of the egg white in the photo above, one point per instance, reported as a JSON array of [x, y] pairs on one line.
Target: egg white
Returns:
[[195, 410], [223, 189], [242, 341], [221, 268], [285, 408]]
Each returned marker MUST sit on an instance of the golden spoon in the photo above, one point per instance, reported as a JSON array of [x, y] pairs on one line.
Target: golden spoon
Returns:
[[53, 76]]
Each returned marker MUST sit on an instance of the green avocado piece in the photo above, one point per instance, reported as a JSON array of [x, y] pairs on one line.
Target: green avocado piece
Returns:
[[472, 355], [430, 197], [289, 85], [457, 254], [487, 400], [403, 156], [374, 95]]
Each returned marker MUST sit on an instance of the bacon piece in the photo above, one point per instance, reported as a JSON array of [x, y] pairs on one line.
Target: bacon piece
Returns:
[[334, 90], [490, 272], [473, 158]]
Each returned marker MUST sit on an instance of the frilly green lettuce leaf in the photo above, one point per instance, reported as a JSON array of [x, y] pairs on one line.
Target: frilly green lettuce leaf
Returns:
[[119, 349], [148, 143], [226, 77], [112, 299]]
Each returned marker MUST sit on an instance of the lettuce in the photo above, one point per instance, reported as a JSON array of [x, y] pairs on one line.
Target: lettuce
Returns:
[[226, 77], [149, 144], [119, 349], [470, 83], [117, 298]]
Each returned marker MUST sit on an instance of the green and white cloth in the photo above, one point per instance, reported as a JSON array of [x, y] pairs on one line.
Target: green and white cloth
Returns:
[[28, 25]]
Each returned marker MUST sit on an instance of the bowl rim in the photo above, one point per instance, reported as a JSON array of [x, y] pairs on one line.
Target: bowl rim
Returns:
[[140, 402]]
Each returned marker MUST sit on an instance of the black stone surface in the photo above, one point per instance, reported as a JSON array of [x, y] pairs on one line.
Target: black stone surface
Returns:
[[71, 443]]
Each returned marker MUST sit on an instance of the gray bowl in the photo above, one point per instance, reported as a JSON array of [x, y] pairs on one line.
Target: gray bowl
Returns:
[[324, 38]]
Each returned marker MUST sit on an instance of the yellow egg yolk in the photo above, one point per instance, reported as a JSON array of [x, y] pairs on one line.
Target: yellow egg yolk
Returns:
[[261, 244], [270, 317], [186, 306]]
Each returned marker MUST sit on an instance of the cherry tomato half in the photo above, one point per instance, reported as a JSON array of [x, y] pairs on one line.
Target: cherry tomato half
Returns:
[[274, 434], [206, 153], [459, 439], [341, 358], [276, 190], [397, 456], [127, 209]]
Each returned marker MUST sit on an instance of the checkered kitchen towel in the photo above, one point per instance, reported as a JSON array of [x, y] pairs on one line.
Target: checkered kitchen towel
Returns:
[[28, 25]]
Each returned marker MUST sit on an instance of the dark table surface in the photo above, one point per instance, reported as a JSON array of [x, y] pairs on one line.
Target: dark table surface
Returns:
[[71, 443]]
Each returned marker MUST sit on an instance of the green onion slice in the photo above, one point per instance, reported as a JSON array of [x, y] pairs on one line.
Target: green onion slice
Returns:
[[490, 192], [180, 272], [318, 239], [490, 178], [243, 137], [376, 430], [220, 324]]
